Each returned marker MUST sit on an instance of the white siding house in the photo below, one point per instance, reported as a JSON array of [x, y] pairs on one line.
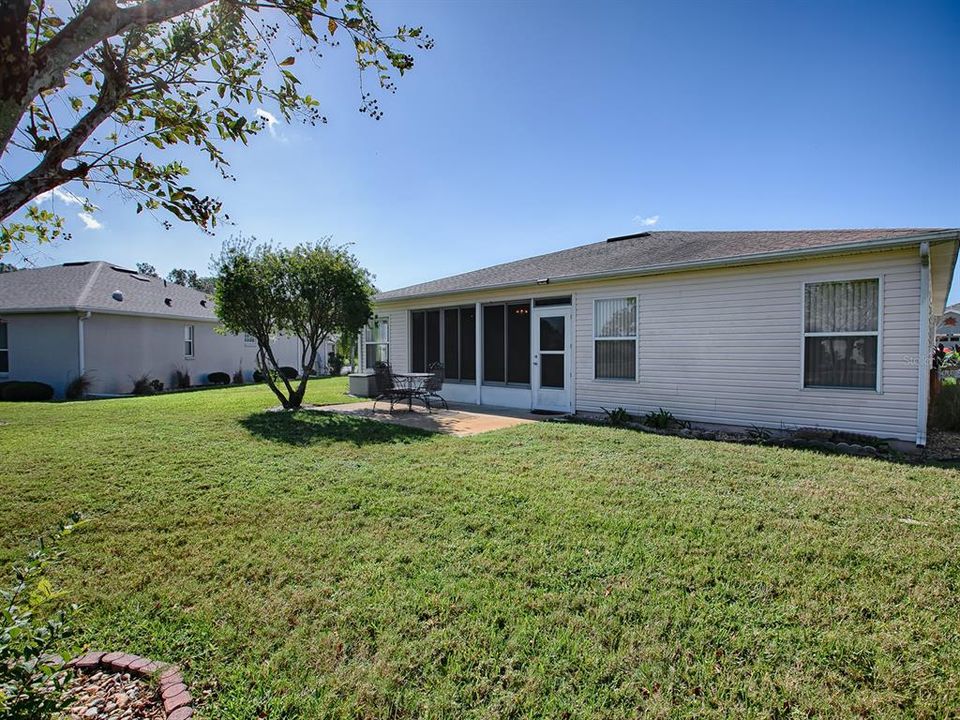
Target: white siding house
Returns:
[[829, 329]]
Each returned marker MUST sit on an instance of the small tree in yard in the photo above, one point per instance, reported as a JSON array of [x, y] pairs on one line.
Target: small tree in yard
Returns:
[[311, 292]]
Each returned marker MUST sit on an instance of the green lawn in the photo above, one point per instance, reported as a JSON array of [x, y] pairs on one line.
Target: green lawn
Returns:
[[318, 566]]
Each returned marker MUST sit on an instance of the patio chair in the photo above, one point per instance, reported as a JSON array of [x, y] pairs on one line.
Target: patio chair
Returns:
[[433, 385], [387, 390]]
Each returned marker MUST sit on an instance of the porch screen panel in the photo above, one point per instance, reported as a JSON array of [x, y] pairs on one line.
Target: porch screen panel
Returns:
[[418, 341], [494, 343], [518, 343], [841, 334], [451, 344], [468, 343], [433, 337]]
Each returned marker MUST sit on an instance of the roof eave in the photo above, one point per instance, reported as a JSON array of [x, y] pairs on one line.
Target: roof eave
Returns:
[[755, 259], [102, 311]]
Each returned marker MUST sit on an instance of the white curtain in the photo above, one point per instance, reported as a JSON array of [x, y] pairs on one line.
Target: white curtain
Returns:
[[842, 307]]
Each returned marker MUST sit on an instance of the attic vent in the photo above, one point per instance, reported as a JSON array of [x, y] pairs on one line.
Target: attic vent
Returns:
[[123, 270], [141, 278], [628, 237], [77, 264], [168, 302], [117, 295]]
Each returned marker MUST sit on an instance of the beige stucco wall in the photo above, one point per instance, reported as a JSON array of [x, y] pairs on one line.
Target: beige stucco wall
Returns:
[[121, 348], [43, 347]]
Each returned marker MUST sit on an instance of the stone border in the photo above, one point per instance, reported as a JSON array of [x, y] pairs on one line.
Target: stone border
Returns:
[[177, 701]]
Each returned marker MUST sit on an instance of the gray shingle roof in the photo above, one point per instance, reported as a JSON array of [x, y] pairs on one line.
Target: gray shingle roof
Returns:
[[91, 286], [649, 251]]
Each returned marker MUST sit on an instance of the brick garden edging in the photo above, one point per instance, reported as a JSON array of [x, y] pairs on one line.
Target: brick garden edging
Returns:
[[177, 701]]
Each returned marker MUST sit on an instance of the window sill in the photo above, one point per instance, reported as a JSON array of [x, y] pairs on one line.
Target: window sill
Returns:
[[841, 388], [616, 381]]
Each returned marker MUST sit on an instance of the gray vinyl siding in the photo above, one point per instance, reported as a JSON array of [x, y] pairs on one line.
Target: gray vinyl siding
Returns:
[[743, 364]]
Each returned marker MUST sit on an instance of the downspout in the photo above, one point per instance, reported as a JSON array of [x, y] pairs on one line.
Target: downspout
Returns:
[[81, 352], [923, 373]]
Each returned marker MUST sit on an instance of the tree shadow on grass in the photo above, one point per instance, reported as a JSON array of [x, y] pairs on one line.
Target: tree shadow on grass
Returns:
[[308, 427]]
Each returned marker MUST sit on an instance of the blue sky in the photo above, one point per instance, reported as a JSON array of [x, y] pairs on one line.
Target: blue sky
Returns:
[[537, 126]]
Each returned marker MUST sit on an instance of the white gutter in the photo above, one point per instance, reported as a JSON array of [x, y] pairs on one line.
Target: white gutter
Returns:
[[737, 260], [923, 373], [80, 347]]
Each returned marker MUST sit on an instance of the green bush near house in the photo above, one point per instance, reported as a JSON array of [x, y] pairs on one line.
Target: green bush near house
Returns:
[[25, 391]]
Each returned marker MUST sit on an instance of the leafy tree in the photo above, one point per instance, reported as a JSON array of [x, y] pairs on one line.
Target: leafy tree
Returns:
[[312, 292], [190, 279], [186, 73], [7, 267], [145, 268]]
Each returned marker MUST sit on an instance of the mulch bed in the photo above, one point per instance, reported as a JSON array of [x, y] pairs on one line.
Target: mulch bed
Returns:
[[112, 696], [942, 445]]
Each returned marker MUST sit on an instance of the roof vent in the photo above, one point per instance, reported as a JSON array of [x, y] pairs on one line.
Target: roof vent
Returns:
[[141, 278], [123, 270], [77, 264], [203, 303], [117, 295], [168, 302], [629, 237]]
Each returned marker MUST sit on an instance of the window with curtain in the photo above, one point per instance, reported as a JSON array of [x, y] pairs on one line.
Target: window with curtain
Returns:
[[841, 330], [4, 349], [615, 338], [376, 341], [446, 336], [188, 341]]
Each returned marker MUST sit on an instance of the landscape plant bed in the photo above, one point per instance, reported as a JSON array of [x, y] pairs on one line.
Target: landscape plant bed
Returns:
[[121, 686], [806, 438]]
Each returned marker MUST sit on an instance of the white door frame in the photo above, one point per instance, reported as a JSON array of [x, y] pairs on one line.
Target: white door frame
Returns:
[[548, 398]]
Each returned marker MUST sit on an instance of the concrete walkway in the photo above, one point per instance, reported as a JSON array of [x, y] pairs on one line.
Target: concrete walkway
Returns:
[[460, 419]]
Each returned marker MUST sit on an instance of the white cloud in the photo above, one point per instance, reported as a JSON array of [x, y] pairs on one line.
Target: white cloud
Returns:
[[69, 198], [63, 195], [90, 221], [270, 119], [649, 221]]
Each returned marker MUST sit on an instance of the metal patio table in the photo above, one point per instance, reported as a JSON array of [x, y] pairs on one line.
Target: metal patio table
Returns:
[[411, 383]]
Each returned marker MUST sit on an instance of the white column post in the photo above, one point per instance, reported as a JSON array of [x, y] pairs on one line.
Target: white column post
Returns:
[[478, 360], [923, 375]]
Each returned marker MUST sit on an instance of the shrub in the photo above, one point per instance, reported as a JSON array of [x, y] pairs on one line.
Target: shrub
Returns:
[[258, 376], [946, 408], [218, 378], [660, 419], [181, 379], [618, 417], [948, 381], [238, 376], [289, 373], [335, 363], [34, 624], [78, 388], [25, 391], [145, 385]]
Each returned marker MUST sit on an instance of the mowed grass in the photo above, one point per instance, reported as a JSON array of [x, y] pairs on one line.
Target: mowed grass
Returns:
[[311, 565]]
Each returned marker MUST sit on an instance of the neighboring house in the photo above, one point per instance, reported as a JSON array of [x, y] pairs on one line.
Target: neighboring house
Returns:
[[948, 328], [828, 328], [115, 325]]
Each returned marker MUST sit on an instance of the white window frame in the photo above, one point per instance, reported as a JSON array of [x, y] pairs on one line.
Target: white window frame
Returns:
[[249, 340], [878, 333], [189, 342], [385, 322], [6, 349], [635, 337]]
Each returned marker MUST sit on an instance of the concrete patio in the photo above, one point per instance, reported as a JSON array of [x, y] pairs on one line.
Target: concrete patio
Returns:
[[461, 419]]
